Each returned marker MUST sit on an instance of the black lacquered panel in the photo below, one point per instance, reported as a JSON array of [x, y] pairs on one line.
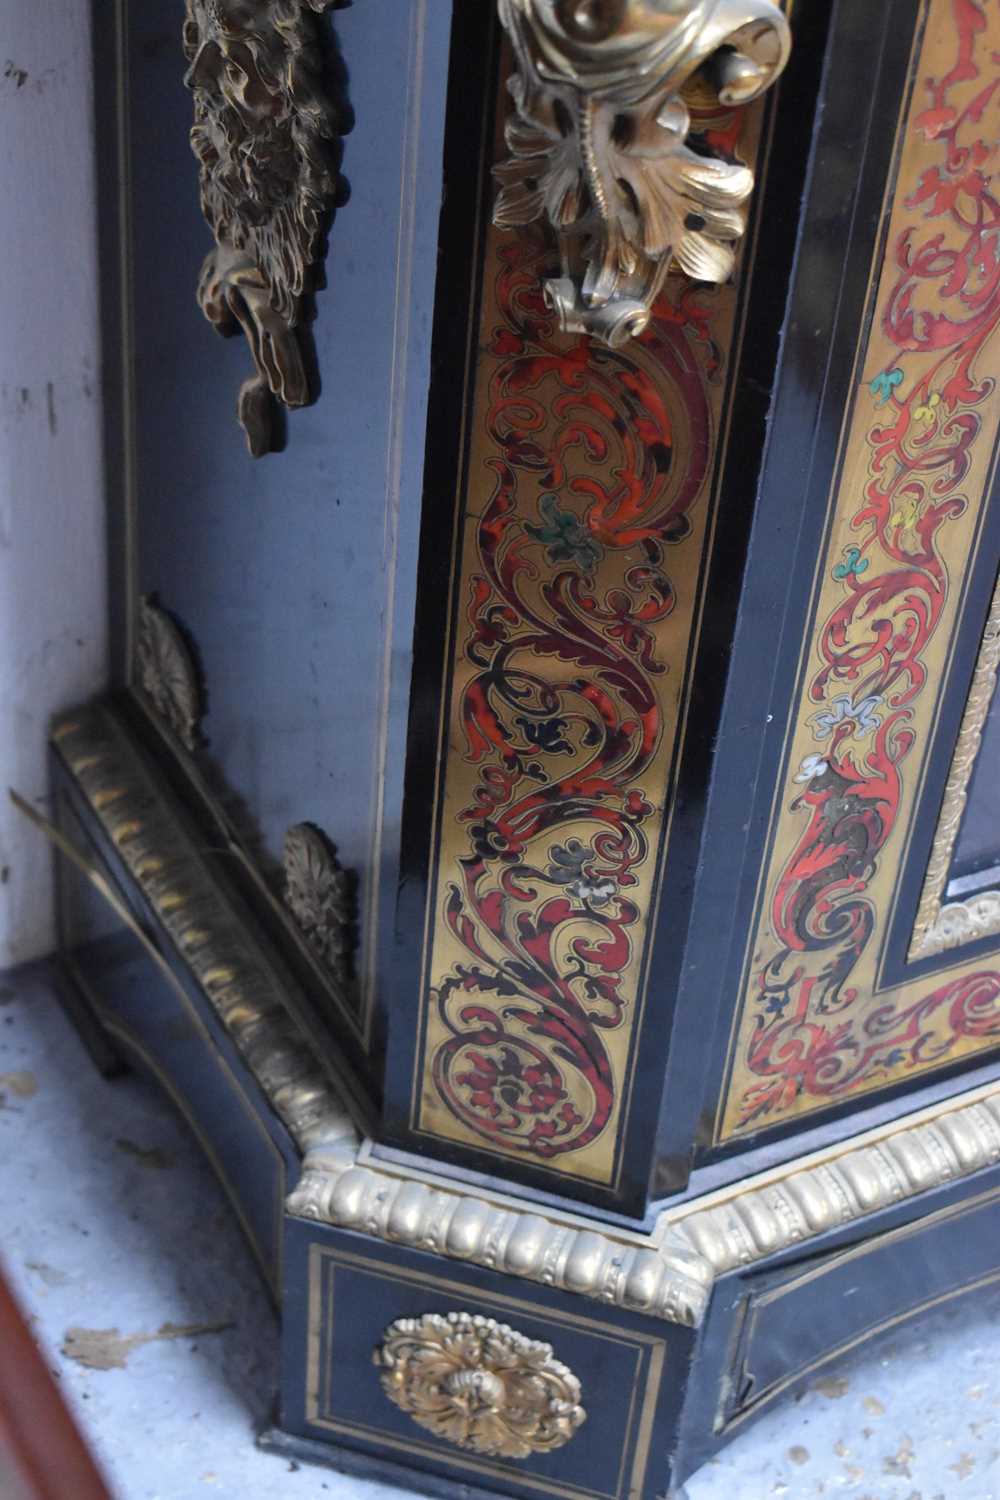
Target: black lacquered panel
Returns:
[[343, 1296], [291, 576]]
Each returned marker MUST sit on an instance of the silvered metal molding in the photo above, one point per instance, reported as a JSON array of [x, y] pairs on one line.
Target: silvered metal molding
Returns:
[[666, 1273], [660, 1274], [266, 134], [601, 147]]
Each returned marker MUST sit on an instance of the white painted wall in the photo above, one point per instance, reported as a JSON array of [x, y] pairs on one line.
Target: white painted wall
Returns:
[[53, 638]]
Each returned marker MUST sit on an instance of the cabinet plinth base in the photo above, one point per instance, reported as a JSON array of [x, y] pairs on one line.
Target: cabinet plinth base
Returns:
[[459, 1340], [379, 1469]]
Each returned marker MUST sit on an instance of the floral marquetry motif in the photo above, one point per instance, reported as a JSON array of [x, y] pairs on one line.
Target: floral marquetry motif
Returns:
[[479, 1384]]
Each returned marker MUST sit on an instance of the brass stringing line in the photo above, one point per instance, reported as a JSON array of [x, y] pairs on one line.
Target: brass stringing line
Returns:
[[271, 1272], [769, 1393], [119, 1028]]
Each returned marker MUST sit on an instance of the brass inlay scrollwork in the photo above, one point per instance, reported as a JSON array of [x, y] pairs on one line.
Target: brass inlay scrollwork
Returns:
[[479, 1384], [823, 1020], [267, 137], [601, 144]]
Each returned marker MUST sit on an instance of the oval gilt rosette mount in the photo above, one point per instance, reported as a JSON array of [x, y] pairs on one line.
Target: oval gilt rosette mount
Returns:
[[602, 147], [479, 1384]]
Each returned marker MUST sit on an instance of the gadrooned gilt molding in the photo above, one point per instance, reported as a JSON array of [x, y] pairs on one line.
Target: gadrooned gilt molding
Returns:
[[166, 672], [233, 973], [961, 922], [266, 134], [666, 1274], [758, 1219], [480, 1384], [940, 925], [669, 1273], [658, 1275], [601, 144]]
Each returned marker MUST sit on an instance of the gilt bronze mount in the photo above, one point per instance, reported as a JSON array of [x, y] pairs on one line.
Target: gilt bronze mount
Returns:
[[479, 1384], [601, 144], [266, 134], [166, 673]]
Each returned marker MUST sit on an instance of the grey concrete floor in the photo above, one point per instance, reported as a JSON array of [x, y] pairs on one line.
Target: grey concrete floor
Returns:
[[148, 1307]]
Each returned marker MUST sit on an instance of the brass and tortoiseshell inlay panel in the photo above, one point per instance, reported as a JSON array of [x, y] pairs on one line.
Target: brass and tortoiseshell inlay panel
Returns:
[[817, 1026], [576, 594]]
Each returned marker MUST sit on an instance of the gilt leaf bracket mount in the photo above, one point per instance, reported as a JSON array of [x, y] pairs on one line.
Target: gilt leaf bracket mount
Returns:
[[601, 146]]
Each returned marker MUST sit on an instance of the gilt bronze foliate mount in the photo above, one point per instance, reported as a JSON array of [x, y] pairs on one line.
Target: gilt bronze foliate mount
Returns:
[[601, 147], [266, 133], [480, 1384], [601, 144]]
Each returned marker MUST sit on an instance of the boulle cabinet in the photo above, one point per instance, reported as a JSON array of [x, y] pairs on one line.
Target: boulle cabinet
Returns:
[[543, 833]]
